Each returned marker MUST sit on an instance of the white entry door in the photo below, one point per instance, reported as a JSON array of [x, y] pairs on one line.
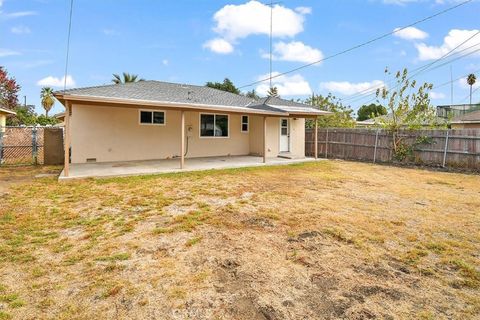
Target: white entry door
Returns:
[[284, 135]]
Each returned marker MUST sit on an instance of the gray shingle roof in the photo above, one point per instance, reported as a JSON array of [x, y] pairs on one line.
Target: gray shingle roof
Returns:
[[166, 92]]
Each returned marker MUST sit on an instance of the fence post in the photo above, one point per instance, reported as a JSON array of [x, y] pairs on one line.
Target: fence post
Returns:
[[1, 145], [34, 145], [375, 150], [445, 150], [326, 146]]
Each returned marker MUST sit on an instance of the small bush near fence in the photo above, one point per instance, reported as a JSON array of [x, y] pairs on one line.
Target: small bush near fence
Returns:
[[25, 145], [445, 148]]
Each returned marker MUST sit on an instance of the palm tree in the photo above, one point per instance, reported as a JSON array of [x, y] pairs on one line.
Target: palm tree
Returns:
[[273, 92], [471, 79], [127, 77], [47, 99]]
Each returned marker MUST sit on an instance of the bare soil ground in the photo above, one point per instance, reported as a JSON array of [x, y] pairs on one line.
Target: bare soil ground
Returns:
[[323, 240]]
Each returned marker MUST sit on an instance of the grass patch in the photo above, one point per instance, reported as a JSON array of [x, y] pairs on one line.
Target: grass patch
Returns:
[[193, 241], [471, 276], [116, 257]]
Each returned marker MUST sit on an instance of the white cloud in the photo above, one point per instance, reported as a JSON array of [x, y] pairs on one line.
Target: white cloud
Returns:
[[294, 85], [295, 51], [410, 33], [13, 15], [464, 84], [8, 52], [110, 32], [436, 95], [165, 62], [303, 10], [453, 39], [219, 46], [349, 88], [399, 2], [51, 81], [18, 14], [240, 21], [20, 30], [234, 22]]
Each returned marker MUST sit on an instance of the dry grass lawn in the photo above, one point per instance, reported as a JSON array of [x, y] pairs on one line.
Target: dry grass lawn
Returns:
[[323, 240]]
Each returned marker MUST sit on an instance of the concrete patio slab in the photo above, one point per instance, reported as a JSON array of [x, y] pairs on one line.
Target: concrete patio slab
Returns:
[[146, 167]]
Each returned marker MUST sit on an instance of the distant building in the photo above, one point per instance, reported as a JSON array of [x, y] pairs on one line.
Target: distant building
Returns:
[[456, 110], [470, 120]]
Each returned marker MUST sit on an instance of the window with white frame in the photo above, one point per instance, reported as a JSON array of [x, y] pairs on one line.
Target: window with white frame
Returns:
[[153, 117], [214, 125], [244, 123]]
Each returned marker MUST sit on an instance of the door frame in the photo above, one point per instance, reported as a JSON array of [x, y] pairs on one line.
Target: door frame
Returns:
[[289, 130]]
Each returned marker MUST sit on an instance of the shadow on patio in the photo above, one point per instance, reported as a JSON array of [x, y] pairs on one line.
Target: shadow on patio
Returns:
[[145, 167]]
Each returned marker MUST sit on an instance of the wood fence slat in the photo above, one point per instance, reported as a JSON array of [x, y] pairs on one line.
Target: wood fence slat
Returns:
[[462, 150]]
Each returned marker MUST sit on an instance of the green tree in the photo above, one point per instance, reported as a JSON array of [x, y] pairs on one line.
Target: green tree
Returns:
[[227, 85], [370, 111], [26, 116], [125, 78], [406, 110], [48, 99], [273, 92], [471, 79], [8, 90], [341, 117], [252, 94]]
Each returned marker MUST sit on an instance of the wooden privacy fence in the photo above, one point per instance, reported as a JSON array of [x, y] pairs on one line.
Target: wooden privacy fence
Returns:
[[31, 145], [446, 148]]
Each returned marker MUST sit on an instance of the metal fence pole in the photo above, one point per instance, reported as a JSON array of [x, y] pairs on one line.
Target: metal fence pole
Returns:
[[446, 149], [326, 146], [375, 150], [1, 145], [34, 146]]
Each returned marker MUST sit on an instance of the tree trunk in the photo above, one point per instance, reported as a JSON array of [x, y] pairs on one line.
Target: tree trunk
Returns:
[[471, 94]]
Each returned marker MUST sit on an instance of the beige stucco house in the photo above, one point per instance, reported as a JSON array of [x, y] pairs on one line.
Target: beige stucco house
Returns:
[[150, 120], [4, 113]]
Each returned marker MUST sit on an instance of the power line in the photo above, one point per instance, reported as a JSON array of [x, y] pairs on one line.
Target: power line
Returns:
[[424, 68], [439, 86], [68, 46], [359, 45], [469, 95]]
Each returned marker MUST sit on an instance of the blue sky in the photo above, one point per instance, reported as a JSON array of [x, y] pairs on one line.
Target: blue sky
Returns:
[[194, 41]]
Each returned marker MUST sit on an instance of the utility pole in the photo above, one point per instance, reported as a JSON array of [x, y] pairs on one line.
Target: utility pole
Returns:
[[25, 101], [451, 86], [271, 39]]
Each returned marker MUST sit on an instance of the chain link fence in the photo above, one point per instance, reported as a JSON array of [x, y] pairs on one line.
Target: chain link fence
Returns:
[[26, 145]]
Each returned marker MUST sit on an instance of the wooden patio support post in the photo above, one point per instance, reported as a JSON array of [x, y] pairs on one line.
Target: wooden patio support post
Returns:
[[316, 138], [264, 139], [66, 168], [182, 151]]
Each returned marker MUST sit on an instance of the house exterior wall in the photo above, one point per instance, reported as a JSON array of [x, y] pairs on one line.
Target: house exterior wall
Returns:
[[3, 121], [107, 133]]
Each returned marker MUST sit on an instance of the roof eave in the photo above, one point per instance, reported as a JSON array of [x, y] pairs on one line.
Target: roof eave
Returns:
[[63, 98], [7, 111]]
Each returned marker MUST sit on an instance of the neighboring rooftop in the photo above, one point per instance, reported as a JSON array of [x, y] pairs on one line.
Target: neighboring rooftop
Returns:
[[471, 117], [192, 95], [6, 111]]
